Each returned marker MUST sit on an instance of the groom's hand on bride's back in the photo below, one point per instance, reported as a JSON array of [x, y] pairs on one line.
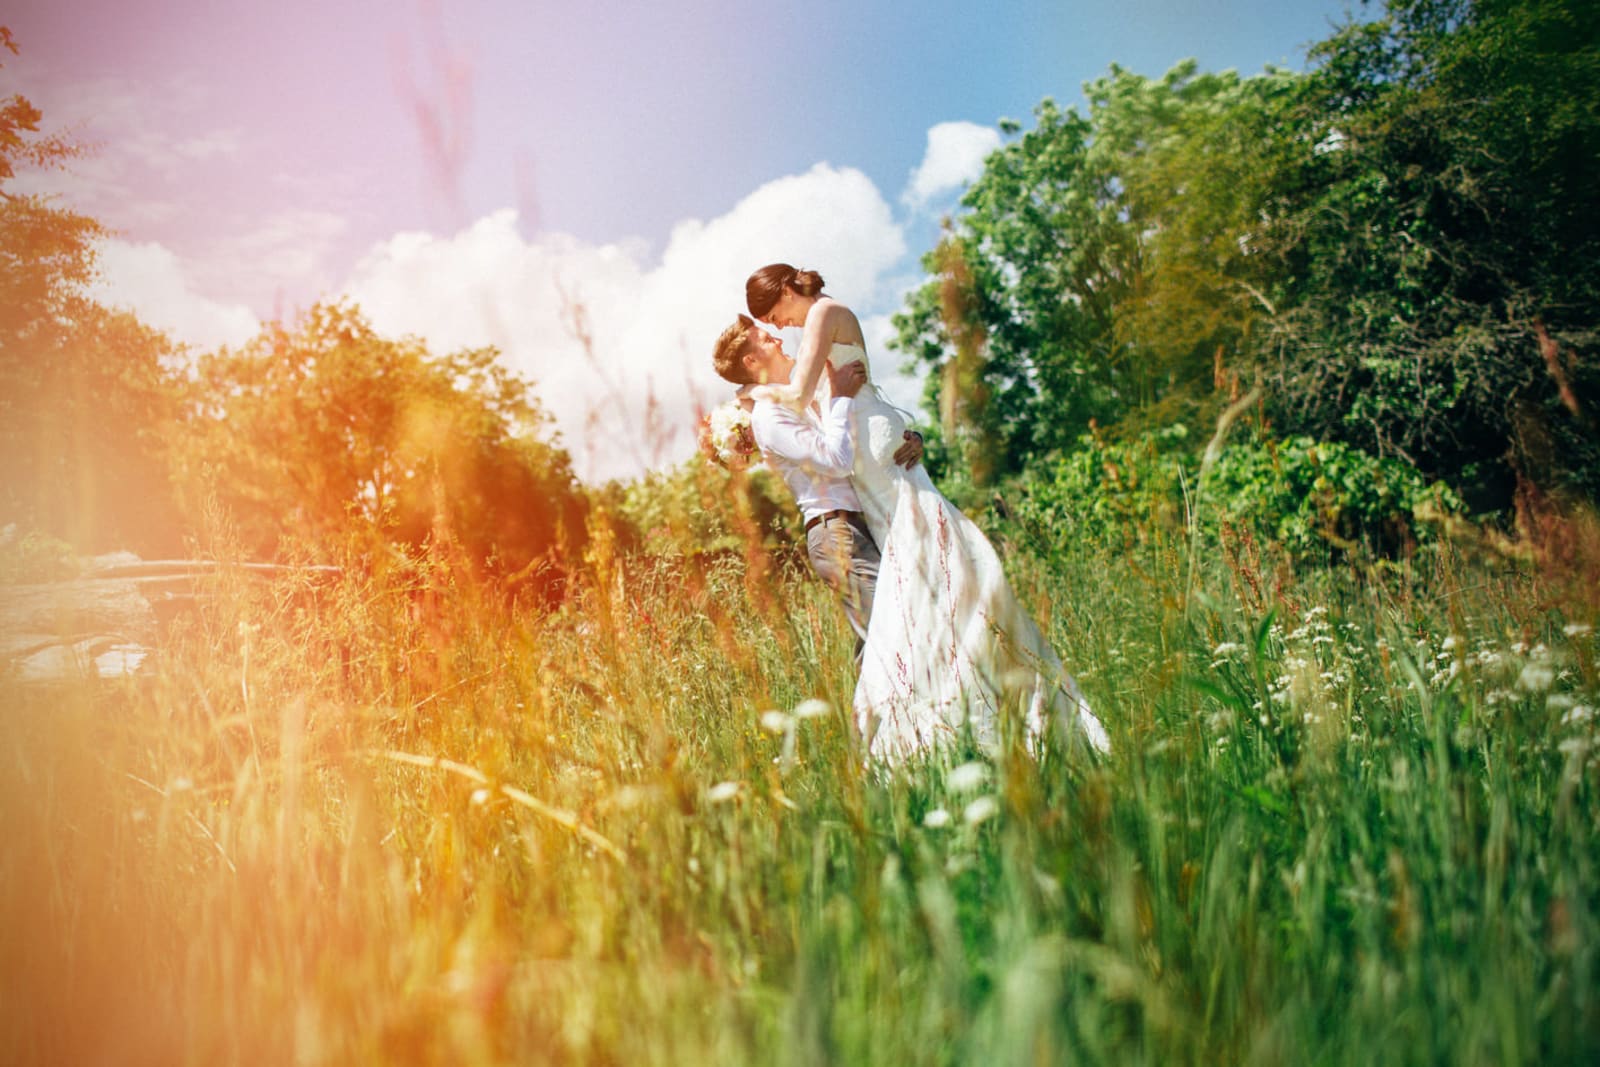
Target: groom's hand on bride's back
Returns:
[[909, 454], [848, 379]]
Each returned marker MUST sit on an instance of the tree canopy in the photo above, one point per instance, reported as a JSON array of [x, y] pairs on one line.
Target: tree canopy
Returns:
[[1398, 245], [85, 392], [322, 427]]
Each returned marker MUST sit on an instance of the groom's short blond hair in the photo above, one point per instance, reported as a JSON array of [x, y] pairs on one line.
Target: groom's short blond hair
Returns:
[[728, 356]]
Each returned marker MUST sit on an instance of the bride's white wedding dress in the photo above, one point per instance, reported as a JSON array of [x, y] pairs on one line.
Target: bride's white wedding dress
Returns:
[[948, 642]]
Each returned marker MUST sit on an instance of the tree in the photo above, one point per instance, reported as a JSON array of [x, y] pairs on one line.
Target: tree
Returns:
[[85, 393], [1103, 263], [323, 429], [1443, 248]]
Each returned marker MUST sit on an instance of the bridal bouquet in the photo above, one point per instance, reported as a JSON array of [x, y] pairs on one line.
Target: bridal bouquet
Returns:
[[726, 437]]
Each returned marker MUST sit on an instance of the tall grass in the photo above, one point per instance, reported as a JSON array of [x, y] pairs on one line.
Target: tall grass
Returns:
[[1350, 817]]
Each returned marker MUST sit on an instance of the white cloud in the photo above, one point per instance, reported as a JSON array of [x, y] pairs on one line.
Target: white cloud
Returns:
[[955, 155], [627, 402], [141, 144], [148, 280]]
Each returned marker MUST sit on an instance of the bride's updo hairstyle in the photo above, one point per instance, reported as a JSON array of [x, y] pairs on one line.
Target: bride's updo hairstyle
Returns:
[[765, 287]]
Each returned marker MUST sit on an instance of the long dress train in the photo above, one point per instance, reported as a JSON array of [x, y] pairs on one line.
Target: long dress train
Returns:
[[948, 642]]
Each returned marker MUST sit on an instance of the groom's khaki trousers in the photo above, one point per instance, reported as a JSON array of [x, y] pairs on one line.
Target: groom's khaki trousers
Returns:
[[845, 556]]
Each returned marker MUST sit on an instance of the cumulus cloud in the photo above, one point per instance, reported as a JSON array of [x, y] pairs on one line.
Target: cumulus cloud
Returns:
[[148, 280], [618, 344], [954, 157]]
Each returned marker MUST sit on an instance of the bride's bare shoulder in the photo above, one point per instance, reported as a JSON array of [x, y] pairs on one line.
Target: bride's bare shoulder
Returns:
[[834, 321]]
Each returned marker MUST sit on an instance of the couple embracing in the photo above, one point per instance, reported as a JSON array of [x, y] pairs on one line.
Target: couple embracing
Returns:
[[943, 643]]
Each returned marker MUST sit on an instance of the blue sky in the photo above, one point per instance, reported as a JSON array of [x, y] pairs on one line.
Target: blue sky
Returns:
[[475, 171]]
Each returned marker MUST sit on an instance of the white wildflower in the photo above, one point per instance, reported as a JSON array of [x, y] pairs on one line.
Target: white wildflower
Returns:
[[1536, 677], [775, 722], [1579, 714], [1227, 648], [1577, 629], [985, 807], [812, 709], [967, 777], [936, 818], [723, 791]]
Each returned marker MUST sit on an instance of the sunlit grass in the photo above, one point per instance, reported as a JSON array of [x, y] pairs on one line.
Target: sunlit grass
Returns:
[[1349, 817]]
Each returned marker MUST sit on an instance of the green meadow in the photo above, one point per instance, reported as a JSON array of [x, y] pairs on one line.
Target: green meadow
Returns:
[[1349, 817]]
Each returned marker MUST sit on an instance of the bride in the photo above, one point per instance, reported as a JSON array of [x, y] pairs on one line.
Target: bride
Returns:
[[948, 642]]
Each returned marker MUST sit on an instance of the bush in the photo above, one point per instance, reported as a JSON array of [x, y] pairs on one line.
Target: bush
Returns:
[[1307, 496]]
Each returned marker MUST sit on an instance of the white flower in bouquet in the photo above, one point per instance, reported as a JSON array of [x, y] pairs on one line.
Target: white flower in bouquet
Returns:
[[726, 437]]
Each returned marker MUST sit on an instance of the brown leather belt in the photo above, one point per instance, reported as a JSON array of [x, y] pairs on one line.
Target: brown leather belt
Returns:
[[836, 513]]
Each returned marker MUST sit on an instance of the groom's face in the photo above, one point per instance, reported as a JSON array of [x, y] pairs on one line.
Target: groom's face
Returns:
[[765, 357]]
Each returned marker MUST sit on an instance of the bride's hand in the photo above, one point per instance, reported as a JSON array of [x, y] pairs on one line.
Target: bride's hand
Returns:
[[909, 454]]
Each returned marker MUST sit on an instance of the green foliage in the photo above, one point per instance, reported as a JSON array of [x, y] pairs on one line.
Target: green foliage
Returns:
[[1303, 496], [1400, 245], [34, 557], [1309, 495], [315, 430], [1440, 248], [700, 508], [1349, 818], [1103, 263], [87, 395]]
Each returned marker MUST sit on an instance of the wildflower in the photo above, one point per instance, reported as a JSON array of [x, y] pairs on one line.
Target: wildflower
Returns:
[[1577, 629], [775, 722], [936, 818], [967, 777], [985, 807], [1227, 648], [1536, 677], [1450, 642], [723, 791], [812, 709], [1579, 714]]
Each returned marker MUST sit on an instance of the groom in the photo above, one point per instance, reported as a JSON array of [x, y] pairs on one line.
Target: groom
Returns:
[[813, 451]]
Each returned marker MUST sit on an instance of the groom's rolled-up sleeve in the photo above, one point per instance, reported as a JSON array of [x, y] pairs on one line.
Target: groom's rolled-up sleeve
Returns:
[[828, 450]]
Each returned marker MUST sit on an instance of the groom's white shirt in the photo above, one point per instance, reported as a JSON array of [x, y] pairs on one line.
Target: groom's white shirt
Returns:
[[812, 456]]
